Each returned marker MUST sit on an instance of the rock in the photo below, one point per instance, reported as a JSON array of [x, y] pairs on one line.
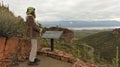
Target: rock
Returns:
[[67, 35], [64, 59], [13, 50], [11, 47], [2, 47], [79, 64], [24, 49], [116, 31]]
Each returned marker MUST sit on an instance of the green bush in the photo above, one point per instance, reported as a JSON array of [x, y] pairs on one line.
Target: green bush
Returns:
[[10, 26]]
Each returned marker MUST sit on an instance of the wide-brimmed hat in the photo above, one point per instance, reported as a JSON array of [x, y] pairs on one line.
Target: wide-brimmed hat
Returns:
[[30, 10]]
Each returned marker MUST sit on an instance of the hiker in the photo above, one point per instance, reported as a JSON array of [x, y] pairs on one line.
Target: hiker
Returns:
[[33, 32]]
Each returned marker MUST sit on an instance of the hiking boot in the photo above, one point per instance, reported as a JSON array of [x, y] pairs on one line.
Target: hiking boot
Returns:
[[32, 63], [37, 60]]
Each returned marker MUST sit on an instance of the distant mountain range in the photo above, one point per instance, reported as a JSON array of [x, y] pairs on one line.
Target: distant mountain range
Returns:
[[82, 24]]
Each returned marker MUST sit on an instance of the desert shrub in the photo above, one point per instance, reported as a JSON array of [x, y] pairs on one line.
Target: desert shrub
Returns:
[[10, 26]]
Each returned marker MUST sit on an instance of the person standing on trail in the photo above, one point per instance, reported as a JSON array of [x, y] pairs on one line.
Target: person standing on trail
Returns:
[[33, 32]]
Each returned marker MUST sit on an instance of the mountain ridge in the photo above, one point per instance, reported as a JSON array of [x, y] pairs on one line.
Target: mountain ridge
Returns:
[[81, 23]]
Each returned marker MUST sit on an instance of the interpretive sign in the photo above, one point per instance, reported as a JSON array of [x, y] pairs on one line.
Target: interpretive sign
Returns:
[[52, 35]]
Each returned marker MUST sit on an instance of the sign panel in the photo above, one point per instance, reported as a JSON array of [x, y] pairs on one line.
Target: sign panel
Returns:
[[52, 34]]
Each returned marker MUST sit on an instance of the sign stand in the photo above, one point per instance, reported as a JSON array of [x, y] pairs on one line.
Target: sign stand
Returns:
[[52, 35], [52, 44]]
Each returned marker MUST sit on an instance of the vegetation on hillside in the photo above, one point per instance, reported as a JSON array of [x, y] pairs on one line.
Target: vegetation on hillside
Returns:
[[79, 34], [93, 46], [104, 43], [10, 25]]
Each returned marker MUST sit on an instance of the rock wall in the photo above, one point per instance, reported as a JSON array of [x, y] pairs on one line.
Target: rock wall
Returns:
[[13, 50], [63, 56]]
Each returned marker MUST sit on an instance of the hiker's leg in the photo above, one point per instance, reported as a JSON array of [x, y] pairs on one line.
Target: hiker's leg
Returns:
[[33, 52]]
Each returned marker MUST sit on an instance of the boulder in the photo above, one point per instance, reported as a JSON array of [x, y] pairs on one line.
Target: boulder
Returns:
[[116, 31]]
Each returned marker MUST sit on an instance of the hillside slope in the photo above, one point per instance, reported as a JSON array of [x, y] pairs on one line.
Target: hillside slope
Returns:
[[104, 44], [10, 25]]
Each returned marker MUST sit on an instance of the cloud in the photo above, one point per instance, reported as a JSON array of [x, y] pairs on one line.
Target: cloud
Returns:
[[55, 10]]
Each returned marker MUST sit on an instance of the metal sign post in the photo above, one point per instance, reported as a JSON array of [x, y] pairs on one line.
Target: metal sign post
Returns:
[[52, 35], [52, 44]]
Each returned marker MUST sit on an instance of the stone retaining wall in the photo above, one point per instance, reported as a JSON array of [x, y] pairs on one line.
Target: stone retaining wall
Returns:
[[63, 56]]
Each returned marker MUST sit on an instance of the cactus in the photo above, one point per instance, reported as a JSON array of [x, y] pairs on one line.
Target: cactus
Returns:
[[117, 56], [78, 52], [116, 59]]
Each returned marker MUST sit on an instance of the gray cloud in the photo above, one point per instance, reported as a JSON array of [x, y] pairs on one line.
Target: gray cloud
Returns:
[[55, 10]]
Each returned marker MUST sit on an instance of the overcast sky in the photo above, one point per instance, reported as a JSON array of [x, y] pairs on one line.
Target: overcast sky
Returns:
[[57, 10]]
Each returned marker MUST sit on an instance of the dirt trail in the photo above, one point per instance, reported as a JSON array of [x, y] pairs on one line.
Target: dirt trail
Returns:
[[46, 62]]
